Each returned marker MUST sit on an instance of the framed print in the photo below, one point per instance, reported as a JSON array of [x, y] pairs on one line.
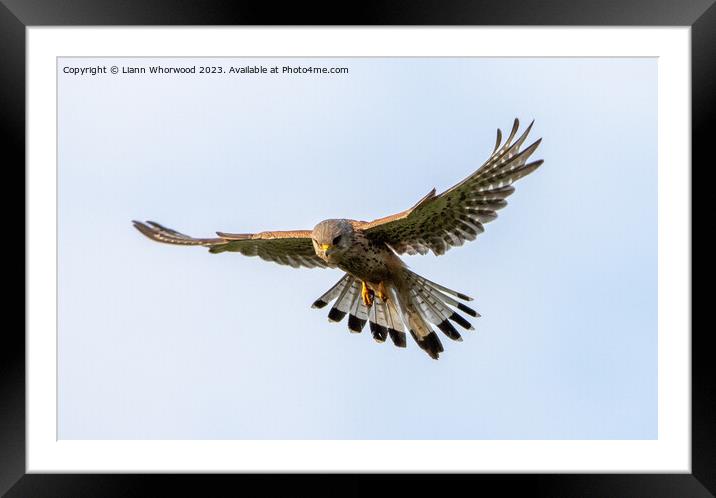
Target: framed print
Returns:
[[575, 371]]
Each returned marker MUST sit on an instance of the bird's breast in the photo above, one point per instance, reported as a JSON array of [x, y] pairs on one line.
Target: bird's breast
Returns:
[[368, 262]]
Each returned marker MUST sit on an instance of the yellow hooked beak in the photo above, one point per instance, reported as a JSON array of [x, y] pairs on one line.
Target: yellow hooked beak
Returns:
[[325, 247]]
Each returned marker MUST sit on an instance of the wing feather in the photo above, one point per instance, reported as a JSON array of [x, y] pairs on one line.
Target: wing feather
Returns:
[[438, 222], [293, 248]]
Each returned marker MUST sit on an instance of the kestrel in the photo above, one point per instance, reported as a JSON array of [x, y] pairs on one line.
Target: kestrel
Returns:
[[378, 288]]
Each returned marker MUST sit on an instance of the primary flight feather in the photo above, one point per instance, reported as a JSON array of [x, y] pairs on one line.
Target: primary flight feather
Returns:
[[377, 287]]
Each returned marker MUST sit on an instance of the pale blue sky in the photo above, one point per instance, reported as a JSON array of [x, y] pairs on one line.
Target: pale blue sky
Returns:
[[163, 342]]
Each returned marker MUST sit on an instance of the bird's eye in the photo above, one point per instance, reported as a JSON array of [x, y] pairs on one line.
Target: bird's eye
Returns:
[[337, 240]]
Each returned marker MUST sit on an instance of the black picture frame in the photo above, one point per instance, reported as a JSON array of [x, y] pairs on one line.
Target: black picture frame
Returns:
[[16, 15]]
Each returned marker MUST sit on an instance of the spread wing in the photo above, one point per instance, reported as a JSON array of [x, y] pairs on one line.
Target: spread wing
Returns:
[[292, 248], [439, 222]]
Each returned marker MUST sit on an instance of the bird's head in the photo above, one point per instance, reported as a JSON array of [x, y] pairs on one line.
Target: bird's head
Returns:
[[331, 239]]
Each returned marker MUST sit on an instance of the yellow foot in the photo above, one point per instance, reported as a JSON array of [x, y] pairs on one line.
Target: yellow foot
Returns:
[[367, 295], [381, 293]]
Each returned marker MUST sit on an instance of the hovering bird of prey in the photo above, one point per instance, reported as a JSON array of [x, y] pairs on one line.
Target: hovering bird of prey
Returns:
[[378, 288]]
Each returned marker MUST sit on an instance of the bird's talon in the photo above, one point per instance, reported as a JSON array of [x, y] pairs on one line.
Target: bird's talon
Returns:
[[381, 293], [367, 295]]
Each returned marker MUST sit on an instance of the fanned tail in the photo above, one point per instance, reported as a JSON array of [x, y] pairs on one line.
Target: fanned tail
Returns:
[[384, 318], [414, 303], [346, 293], [424, 302], [434, 305]]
